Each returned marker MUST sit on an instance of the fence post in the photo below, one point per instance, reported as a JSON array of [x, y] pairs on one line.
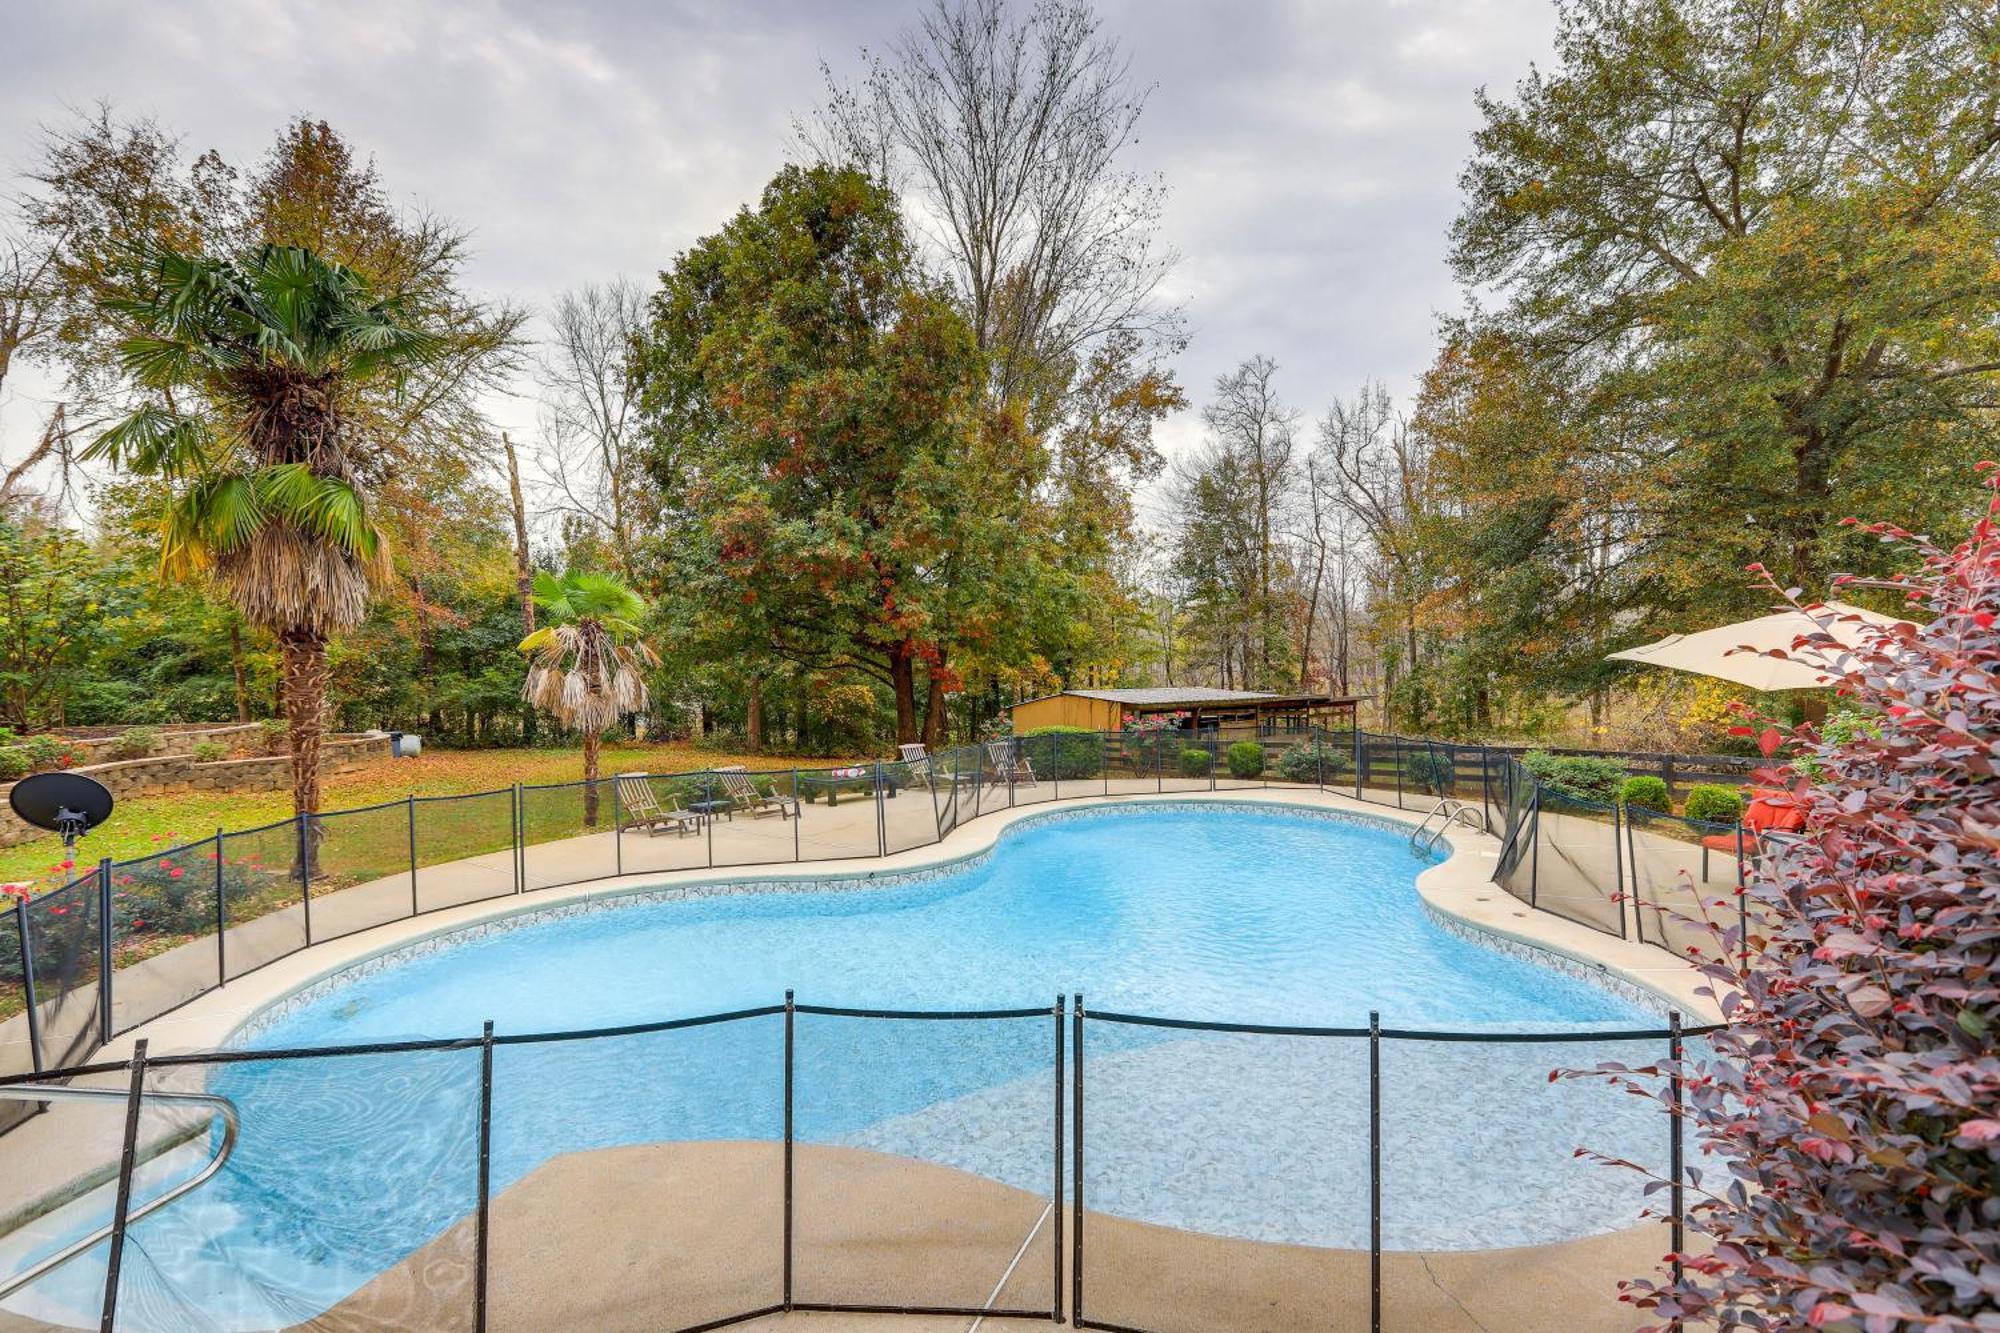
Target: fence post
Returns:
[[1397, 750], [798, 813], [1360, 758], [1375, 1171], [1618, 866], [1076, 1165], [1675, 1145], [485, 1176], [28, 985], [791, 1013], [882, 815], [104, 952], [708, 800], [415, 909], [306, 872], [1319, 761], [618, 832], [221, 916], [1534, 843], [520, 842], [1638, 899], [1013, 763], [1056, 1199], [1742, 902], [127, 1160]]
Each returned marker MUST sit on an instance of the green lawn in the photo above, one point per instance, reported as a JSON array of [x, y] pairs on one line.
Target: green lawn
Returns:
[[364, 846]]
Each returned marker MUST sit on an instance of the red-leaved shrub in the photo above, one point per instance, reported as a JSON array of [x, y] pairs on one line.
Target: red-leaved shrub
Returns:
[[1848, 1119]]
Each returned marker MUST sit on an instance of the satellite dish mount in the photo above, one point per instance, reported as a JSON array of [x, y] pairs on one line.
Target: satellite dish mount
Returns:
[[67, 804]]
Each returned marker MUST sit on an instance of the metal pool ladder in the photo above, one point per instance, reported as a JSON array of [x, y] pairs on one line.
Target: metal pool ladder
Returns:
[[1454, 811], [222, 1107]]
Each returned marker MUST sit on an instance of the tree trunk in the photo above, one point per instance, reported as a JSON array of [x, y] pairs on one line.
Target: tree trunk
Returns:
[[903, 679], [753, 725], [304, 676], [524, 578], [236, 670], [934, 709], [593, 744]]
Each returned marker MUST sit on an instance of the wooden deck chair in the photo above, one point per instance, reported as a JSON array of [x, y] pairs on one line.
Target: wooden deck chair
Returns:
[[744, 796], [1010, 763], [639, 807]]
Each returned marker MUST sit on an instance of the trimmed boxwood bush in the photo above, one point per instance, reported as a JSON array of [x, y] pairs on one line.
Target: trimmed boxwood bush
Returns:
[[1648, 793], [1195, 762], [1585, 777], [1310, 762], [1429, 770], [1714, 802], [1073, 752], [1246, 759]]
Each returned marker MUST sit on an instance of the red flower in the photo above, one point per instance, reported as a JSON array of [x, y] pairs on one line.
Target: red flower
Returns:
[[175, 873]]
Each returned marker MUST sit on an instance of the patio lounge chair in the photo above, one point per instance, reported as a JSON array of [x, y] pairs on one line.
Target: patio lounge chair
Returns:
[[639, 807], [744, 796], [1010, 763], [923, 769]]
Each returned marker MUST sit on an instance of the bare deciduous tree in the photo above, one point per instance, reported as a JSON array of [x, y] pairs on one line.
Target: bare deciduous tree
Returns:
[[588, 430], [1005, 129]]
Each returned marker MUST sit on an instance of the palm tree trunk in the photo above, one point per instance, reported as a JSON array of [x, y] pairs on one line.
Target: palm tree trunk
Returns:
[[236, 670], [304, 676], [592, 743]]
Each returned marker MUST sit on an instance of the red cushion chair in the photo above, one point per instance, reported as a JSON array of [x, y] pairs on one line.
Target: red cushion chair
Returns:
[[1768, 812]]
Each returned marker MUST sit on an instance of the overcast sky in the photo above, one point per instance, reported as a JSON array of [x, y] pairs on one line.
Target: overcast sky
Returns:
[[1311, 147]]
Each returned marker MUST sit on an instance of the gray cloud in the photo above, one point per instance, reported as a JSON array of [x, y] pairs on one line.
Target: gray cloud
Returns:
[[1311, 149]]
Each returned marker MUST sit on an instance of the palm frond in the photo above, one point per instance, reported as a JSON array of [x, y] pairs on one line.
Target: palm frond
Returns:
[[156, 442]]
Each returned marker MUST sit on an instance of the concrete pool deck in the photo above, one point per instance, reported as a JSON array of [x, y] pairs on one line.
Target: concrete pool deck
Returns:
[[665, 1235], [49, 1155]]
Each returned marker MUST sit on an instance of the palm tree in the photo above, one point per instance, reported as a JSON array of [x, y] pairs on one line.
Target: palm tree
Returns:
[[253, 364], [586, 664]]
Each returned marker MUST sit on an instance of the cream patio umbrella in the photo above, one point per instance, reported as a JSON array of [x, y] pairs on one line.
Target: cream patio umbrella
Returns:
[[1714, 652]]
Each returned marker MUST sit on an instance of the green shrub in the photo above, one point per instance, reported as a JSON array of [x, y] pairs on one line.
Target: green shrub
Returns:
[[46, 752], [1310, 762], [1714, 802], [135, 743], [1430, 770], [1584, 777], [276, 734], [1647, 793], [209, 752], [1843, 726], [13, 763], [1069, 753], [1246, 759], [1195, 762]]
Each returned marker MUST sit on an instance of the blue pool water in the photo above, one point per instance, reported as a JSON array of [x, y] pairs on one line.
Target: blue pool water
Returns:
[[348, 1164]]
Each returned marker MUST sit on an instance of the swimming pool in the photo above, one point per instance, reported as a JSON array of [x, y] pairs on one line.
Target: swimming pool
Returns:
[[1238, 912]]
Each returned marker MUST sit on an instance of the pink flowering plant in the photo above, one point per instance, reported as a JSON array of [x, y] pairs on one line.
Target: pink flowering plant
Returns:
[[1848, 1118], [1148, 736]]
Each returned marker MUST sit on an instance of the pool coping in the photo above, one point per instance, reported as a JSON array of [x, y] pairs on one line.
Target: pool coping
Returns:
[[1457, 892]]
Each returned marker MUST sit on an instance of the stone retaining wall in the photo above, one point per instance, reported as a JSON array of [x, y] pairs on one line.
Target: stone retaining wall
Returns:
[[166, 774]]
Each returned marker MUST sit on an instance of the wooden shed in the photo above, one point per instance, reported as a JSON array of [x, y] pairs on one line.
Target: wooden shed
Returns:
[[1225, 712]]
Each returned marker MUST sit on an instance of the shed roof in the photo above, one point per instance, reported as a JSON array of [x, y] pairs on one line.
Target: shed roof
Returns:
[[1156, 696]]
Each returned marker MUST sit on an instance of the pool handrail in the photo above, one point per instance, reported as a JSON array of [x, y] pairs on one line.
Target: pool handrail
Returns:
[[221, 1106]]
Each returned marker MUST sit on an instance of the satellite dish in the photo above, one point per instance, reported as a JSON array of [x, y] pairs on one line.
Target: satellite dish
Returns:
[[66, 803]]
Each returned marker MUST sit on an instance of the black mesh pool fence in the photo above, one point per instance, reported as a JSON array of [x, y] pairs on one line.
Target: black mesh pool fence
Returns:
[[1126, 1171]]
